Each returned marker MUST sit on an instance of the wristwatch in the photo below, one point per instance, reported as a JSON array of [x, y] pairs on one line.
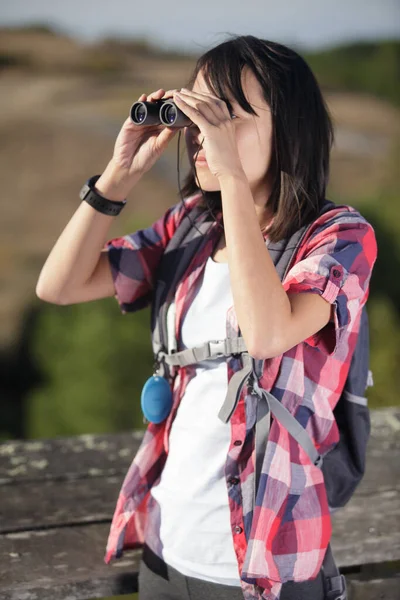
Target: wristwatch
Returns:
[[103, 205]]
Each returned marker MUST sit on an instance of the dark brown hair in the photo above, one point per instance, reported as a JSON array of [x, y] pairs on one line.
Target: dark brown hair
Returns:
[[302, 129]]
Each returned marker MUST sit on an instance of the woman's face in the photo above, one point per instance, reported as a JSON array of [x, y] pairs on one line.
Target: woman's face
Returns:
[[253, 139]]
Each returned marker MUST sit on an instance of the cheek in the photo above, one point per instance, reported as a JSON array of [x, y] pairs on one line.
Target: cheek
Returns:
[[188, 138], [189, 142], [254, 149]]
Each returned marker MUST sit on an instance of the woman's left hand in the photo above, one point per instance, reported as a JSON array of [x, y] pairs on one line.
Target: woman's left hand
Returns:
[[212, 117]]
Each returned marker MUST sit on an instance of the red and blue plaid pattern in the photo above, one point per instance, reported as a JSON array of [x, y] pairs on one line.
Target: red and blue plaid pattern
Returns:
[[286, 535]]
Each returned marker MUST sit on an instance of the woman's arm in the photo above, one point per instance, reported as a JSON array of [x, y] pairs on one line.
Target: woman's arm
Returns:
[[274, 317], [74, 257]]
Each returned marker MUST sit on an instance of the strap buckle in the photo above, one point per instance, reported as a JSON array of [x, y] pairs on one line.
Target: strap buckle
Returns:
[[253, 385], [160, 366], [339, 592], [216, 348]]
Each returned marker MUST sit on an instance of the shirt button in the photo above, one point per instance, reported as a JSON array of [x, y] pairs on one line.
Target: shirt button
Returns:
[[237, 443], [238, 529], [234, 480]]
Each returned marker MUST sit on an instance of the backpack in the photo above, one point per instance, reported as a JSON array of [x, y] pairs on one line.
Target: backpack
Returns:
[[343, 466]]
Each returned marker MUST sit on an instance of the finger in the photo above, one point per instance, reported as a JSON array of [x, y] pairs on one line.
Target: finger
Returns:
[[195, 99], [170, 93], [217, 103], [166, 134], [199, 94], [155, 95], [161, 94], [199, 113]]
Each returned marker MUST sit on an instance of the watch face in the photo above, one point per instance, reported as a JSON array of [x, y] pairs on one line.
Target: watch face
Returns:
[[84, 191]]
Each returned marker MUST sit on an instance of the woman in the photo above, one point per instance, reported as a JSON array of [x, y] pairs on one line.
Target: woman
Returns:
[[259, 147]]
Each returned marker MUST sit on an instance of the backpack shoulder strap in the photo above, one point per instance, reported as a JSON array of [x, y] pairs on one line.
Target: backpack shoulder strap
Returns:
[[174, 262], [283, 253], [352, 416]]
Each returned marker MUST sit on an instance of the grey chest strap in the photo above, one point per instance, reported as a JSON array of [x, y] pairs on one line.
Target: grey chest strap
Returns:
[[267, 403], [211, 349]]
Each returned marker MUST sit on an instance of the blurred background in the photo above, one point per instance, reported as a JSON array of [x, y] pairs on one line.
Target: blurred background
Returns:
[[69, 73]]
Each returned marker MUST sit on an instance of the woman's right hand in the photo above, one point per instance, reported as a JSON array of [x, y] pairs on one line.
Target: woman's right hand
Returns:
[[138, 147]]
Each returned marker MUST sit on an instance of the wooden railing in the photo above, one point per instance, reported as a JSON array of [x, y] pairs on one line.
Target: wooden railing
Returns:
[[57, 497]]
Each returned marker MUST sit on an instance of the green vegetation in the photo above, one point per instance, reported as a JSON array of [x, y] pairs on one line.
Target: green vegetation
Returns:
[[370, 67], [42, 28], [94, 361]]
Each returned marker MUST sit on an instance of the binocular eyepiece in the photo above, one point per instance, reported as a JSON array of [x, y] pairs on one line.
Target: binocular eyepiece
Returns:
[[159, 112]]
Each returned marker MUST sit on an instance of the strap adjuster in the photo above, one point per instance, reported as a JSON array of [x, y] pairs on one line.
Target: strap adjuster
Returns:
[[339, 592], [319, 461]]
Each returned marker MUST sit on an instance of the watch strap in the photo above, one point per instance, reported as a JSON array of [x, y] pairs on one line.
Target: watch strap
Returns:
[[95, 199]]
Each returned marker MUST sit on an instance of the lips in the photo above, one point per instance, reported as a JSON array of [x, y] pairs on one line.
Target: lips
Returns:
[[201, 157]]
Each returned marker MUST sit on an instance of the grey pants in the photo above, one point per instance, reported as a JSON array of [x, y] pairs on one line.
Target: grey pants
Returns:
[[159, 581]]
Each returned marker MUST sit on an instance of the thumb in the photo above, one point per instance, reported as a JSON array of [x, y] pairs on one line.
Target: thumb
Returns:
[[166, 135]]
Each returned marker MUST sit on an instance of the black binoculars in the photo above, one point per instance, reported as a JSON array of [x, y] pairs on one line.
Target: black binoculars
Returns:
[[159, 112]]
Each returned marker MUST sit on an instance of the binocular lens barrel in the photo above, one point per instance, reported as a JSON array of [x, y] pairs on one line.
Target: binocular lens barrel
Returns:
[[140, 113], [168, 113], [159, 112]]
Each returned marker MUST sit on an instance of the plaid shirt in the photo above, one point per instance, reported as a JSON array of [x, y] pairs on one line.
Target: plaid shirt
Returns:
[[287, 536]]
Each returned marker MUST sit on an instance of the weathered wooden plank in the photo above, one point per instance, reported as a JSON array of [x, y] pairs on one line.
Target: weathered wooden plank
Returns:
[[110, 454], [376, 589], [63, 563], [40, 504], [67, 457], [74, 482], [73, 496], [67, 564], [383, 451], [366, 530]]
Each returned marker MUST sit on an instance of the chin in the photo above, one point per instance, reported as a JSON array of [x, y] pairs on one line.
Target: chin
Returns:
[[207, 181]]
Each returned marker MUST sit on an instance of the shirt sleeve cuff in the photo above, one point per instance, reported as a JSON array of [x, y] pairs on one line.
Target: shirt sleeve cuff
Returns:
[[329, 288], [132, 291]]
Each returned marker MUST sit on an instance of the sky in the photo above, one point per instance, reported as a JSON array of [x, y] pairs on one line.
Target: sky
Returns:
[[195, 26]]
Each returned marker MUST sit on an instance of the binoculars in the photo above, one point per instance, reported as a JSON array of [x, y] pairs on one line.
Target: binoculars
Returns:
[[159, 112]]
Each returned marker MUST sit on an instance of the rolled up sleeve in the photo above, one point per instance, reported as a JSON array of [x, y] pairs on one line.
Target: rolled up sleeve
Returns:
[[134, 259], [336, 263]]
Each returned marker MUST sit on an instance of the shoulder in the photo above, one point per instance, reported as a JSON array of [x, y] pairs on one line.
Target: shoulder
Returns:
[[185, 205], [336, 255], [341, 216], [341, 226], [175, 214], [158, 233]]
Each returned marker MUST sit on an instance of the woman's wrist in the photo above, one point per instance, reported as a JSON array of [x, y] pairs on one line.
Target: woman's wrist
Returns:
[[115, 183]]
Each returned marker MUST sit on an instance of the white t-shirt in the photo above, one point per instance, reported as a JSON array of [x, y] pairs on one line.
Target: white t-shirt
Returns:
[[193, 522]]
